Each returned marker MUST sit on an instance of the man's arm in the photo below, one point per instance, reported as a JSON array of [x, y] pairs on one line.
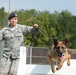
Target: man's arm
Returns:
[[29, 29], [1, 34]]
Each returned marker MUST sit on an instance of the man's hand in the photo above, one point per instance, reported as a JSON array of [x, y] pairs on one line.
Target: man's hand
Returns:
[[35, 25]]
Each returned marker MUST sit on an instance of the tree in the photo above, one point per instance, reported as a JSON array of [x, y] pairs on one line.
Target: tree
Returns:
[[3, 17]]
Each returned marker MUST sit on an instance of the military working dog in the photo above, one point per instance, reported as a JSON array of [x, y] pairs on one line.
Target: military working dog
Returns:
[[58, 51]]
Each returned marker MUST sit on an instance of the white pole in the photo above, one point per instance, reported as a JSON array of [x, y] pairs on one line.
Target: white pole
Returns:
[[10, 6], [22, 61]]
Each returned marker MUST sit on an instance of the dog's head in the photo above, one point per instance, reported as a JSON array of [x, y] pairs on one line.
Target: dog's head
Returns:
[[60, 47]]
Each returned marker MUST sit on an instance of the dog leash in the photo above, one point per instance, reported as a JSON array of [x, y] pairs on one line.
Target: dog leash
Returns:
[[37, 35], [45, 33]]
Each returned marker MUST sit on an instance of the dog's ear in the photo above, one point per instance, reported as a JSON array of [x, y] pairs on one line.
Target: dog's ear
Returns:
[[55, 41], [65, 42]]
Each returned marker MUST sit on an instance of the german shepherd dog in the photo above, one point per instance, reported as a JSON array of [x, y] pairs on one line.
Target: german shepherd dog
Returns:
[[58, 51]]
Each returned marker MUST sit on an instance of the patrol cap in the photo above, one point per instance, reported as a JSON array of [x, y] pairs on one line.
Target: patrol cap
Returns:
[[12, 14]]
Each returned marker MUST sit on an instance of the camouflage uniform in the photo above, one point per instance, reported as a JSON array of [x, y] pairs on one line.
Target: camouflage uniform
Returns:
[[13, 37]]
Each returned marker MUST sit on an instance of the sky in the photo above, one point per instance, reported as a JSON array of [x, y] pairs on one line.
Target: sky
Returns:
[[41, 5]]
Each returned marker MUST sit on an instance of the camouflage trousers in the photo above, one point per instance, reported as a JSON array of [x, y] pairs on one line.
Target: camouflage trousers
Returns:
[[8, 66]]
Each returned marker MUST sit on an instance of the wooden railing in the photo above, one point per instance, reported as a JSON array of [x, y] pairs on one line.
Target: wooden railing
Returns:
[[73, 51], [38, 55]]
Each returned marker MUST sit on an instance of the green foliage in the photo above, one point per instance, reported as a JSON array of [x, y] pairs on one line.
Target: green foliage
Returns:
[[61, 25], [3, 17]]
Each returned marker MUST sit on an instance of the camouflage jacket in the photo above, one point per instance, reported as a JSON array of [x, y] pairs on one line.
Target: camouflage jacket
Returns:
[[13, 37]]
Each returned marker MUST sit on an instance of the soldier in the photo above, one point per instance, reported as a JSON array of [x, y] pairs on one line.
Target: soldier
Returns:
[[13, 36]]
